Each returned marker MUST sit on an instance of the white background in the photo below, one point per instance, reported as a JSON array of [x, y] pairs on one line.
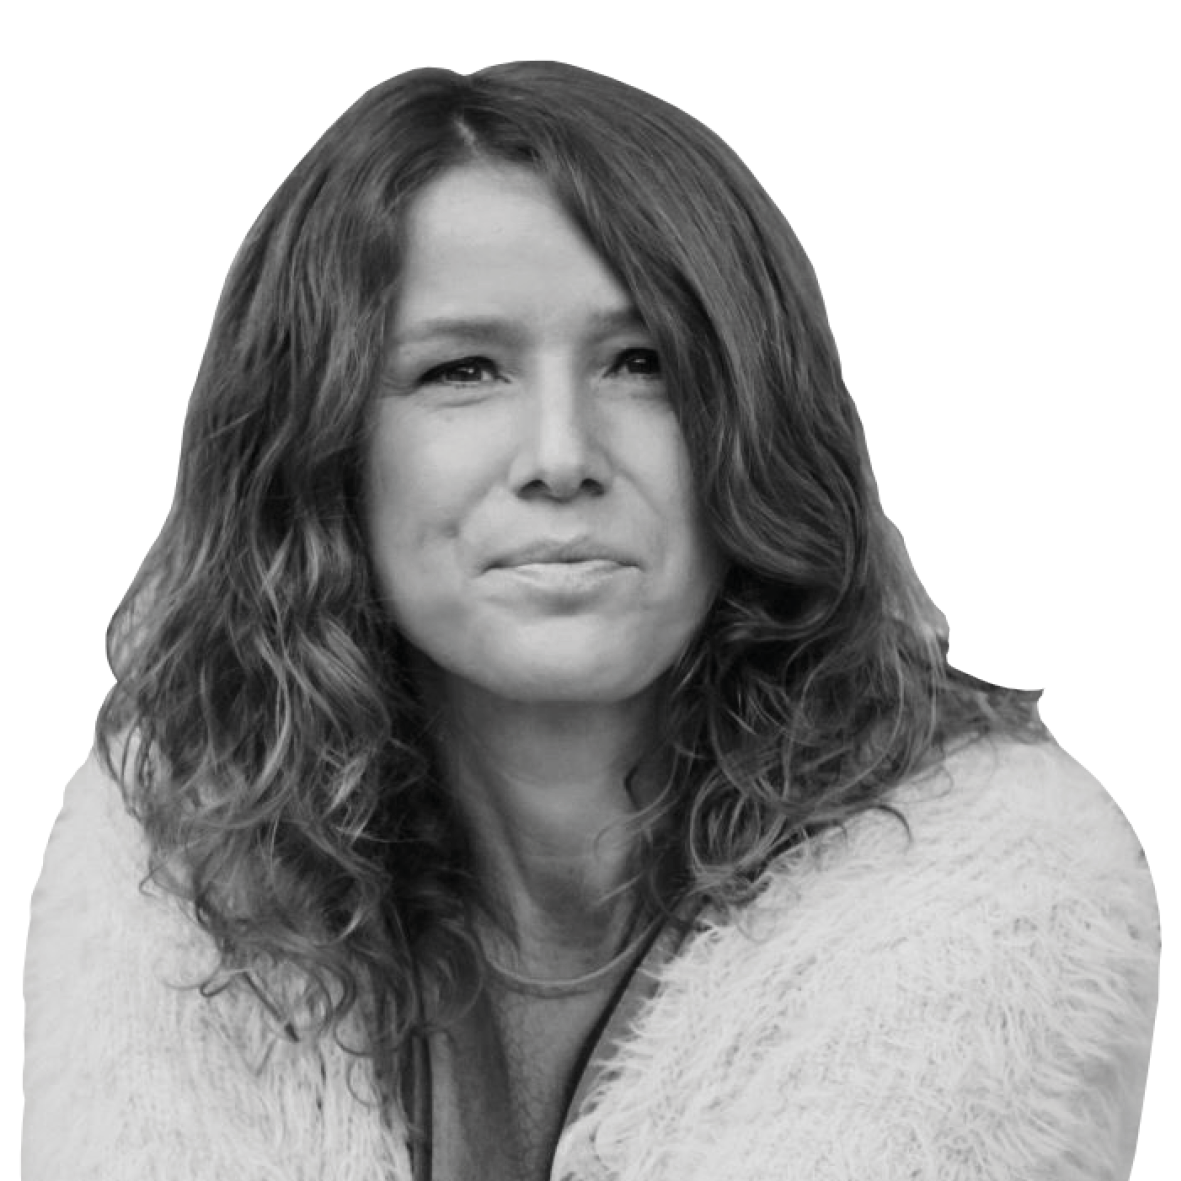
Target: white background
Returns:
[[988, 193]]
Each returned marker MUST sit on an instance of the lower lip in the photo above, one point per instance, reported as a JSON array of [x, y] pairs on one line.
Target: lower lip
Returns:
[[565, 578]]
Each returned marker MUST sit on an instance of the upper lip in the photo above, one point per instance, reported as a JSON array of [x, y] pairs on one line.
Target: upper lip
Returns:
[[575, 549]]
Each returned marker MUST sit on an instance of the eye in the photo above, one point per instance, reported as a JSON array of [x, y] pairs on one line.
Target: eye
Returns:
[[638, 363], [467, 371]]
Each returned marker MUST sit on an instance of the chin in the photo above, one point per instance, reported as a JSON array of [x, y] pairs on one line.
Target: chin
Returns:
[[603, 672], [567, 685], [570, 663]]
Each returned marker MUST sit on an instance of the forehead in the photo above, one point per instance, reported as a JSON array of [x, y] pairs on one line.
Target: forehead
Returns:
[[494, 240]]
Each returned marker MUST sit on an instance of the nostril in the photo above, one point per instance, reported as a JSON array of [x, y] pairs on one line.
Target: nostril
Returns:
[[558, 488]]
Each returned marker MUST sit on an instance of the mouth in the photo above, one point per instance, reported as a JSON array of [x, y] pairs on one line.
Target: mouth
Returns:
[[586, 566], [563, 581], [578, 552]]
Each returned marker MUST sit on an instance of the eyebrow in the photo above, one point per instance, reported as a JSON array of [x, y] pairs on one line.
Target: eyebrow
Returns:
[[495, 329]]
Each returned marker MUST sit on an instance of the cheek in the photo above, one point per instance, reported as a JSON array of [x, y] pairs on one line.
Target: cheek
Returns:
[[699, 565], [385, 503], [674, 490], [420, 486], [399, 502]]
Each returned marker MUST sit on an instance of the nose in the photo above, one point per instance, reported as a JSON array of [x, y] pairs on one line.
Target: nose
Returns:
[[560, 453]]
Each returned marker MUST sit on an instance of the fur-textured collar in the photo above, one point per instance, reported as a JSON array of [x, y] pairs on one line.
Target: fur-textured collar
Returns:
[[974, 1004]]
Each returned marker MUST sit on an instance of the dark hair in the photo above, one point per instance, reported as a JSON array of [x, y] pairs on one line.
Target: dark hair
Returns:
[[273, 742]]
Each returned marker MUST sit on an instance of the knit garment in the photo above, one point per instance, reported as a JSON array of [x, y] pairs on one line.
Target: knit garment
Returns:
[[972, 1004]]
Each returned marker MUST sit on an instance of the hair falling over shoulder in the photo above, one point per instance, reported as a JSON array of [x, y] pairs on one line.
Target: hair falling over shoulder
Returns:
[[264, 724]]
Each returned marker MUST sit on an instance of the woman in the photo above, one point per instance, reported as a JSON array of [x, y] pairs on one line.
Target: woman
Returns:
[[538, 754]]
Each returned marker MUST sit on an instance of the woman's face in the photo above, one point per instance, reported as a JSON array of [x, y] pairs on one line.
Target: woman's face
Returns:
[[529, 499]]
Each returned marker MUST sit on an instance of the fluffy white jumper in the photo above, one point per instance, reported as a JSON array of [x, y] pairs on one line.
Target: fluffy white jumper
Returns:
[[973, 1005]]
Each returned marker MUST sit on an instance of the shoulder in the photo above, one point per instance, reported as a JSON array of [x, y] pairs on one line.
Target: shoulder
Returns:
[[975, 997], [1010, 824], [1014, 869], [1031, 794], [94, 830], [131, 1071], [110, 976], [90, 902], [93, 901]]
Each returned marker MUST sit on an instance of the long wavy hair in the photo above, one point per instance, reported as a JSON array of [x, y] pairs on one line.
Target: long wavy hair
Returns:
[[264, 724]]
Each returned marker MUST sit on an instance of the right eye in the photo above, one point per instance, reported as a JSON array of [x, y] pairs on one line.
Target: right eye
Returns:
[[468, 371]]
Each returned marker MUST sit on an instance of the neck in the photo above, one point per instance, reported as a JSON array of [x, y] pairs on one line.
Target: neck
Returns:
[[541, 790]]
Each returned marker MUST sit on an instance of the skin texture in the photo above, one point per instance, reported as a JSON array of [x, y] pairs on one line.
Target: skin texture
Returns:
[[546, 419]]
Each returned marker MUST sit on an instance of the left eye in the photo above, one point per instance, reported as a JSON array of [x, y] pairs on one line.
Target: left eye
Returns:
[[639, 363], [467, 371]]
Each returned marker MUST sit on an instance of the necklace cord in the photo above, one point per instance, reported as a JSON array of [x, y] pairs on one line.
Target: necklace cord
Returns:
[[573, 985]]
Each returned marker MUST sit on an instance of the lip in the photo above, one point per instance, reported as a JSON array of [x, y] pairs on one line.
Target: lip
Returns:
[[553, 551], [561, 582]]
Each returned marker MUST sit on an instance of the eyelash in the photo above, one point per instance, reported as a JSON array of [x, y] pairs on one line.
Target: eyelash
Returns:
[[436, 376]]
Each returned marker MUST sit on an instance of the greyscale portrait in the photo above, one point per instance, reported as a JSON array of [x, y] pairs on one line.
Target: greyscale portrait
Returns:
[[533, 754]]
